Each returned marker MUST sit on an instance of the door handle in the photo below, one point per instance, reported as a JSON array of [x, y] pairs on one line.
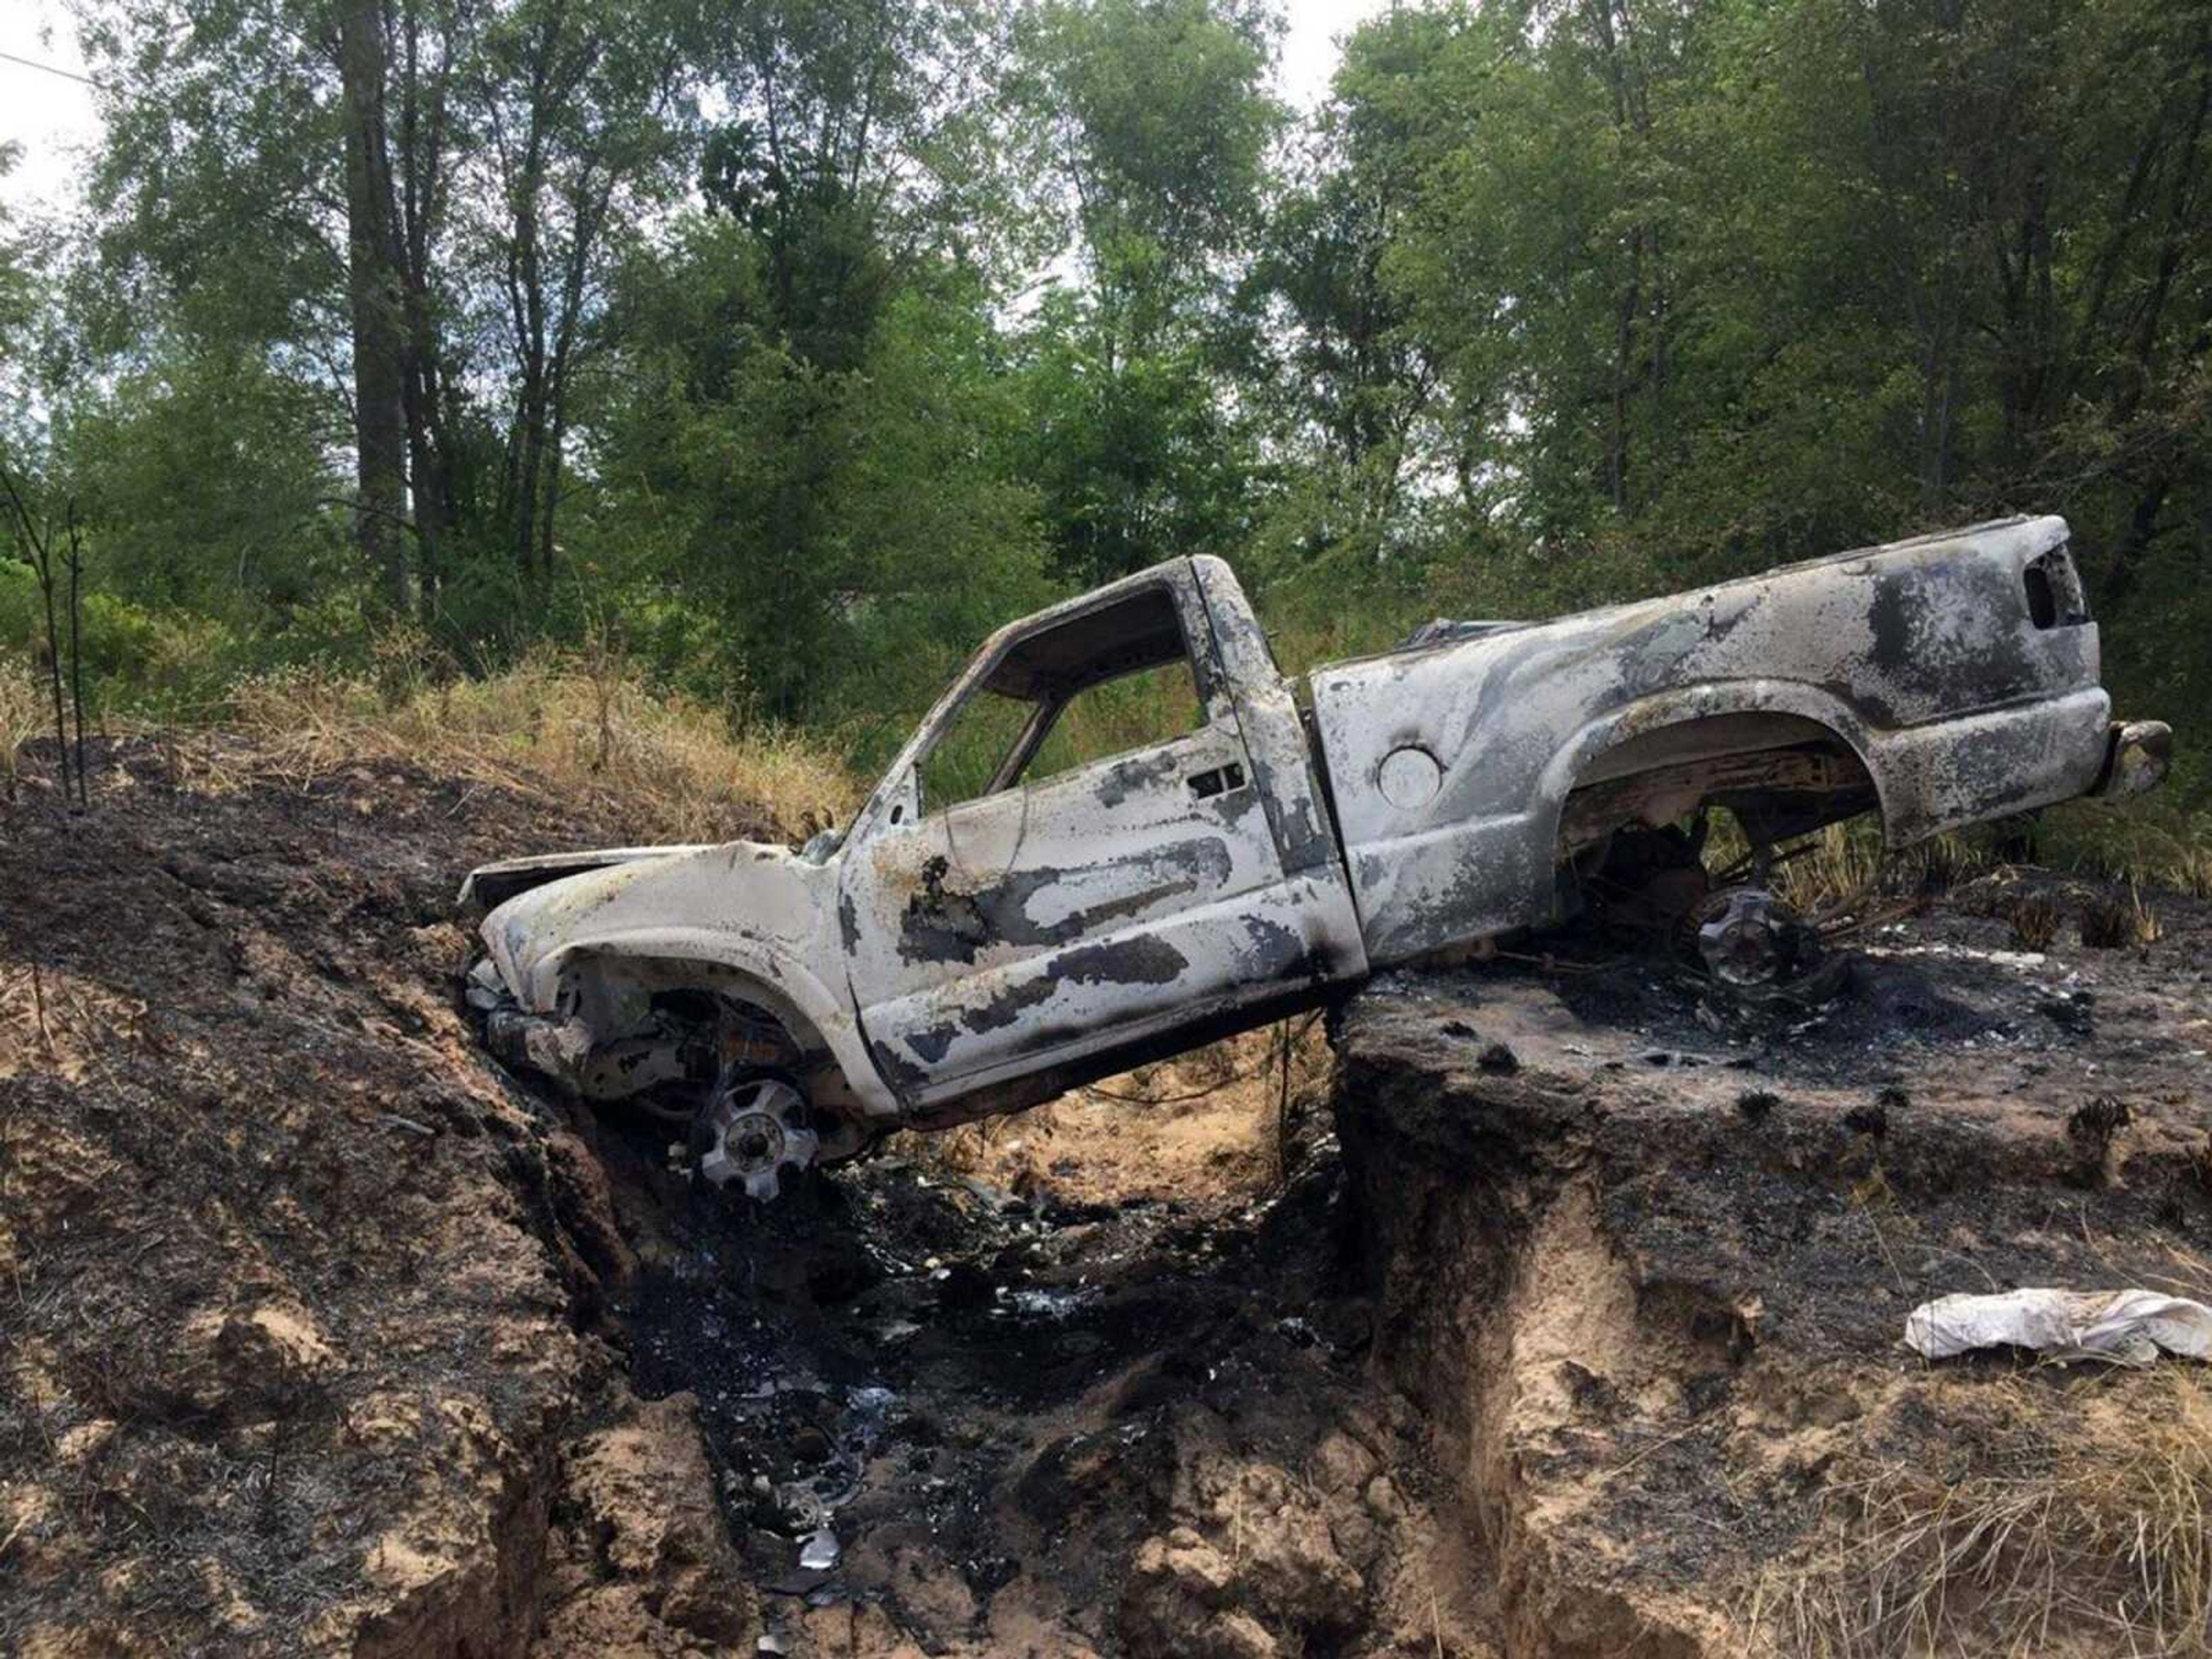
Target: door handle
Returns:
[[1217, 780]]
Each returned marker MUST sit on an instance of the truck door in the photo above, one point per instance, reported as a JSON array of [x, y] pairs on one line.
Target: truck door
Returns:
[[1080, 859]]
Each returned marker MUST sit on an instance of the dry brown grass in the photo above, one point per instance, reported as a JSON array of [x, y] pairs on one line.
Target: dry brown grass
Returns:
[[2150, 840], [592, 734], [23, 715], [2074, 1524], [1841, 867], [2034, 922], [1843, 864], [581, 725], [2116, 921]]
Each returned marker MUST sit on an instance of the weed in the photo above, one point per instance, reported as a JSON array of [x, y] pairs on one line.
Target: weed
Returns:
[[2060, 1526], [2092, 1128], [20, 715], [2114, 923], [2035, 920], [1840, 868], [2153, 841], [2093, 1125], [1843, 866], [588, 730], [1869, 1120], [2144, 843], [1756, 1105]]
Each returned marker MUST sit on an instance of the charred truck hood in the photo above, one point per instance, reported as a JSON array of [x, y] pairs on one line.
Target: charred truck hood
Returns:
[[739, 900]]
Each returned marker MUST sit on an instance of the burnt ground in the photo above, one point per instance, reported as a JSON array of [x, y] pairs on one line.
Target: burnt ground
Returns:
[[319, 1333], [1002, 1411]]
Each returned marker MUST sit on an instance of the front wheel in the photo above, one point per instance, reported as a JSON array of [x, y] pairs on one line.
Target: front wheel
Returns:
[[754, 1126]]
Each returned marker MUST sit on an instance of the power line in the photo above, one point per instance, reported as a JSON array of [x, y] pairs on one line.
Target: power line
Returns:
[[51, 69]]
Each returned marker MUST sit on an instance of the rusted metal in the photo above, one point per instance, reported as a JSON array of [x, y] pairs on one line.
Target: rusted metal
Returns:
[[943, 960]]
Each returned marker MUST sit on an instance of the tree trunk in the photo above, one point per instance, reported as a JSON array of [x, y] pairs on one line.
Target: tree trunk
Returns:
[[1624, 350], [1630, 124], [532, 469], [553, 443], [417, 209], [2136, 540], [528, 303], [589, 217], [429, 494], [374, 297]]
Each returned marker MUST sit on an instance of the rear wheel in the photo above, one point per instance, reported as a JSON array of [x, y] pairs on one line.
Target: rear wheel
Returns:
[[1653, 884]]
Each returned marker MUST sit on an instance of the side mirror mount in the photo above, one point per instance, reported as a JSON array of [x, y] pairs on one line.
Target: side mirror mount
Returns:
[[901, 804]]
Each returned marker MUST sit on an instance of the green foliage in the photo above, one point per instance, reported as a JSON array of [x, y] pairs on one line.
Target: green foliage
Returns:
[[833, 538], [212, 184], [164, 660], [1134, 454], [1156, 125], [20, 277], [206, 473], [1733, 284], [1160, 122]]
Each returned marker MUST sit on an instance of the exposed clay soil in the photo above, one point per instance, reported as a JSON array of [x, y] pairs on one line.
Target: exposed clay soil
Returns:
[[320, 1334]]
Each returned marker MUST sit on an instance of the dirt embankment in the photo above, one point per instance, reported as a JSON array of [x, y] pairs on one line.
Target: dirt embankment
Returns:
[[319, 1334], [296, 1353], [322, 1336], [1644, 1273]]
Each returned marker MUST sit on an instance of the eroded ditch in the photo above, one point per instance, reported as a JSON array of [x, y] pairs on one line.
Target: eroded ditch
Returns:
[[324, 1336], [942, 1414]]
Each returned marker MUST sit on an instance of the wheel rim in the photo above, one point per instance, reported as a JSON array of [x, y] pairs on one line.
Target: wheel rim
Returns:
[[756, 1129]]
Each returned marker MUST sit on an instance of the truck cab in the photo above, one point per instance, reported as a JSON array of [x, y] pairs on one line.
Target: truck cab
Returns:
[[1107, 841], [1108, 831]]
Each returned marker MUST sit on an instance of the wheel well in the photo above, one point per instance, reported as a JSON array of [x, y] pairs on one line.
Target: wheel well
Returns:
[[1783, 774], [663, 1002]]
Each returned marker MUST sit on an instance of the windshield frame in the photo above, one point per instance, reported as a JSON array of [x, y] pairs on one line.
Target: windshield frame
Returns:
[[1174, 575]]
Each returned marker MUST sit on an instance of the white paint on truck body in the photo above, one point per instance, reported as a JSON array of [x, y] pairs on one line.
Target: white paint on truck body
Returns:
[[1922, 657]]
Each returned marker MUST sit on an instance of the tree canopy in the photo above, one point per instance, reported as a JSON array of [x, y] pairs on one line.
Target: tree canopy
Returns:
[[793, 344]]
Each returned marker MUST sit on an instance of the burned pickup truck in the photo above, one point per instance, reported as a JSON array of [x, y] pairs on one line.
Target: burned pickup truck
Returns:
[[1013, 914]]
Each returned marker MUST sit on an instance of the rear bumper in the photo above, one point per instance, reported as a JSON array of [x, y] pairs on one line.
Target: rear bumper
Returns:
[[2137, 755]]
